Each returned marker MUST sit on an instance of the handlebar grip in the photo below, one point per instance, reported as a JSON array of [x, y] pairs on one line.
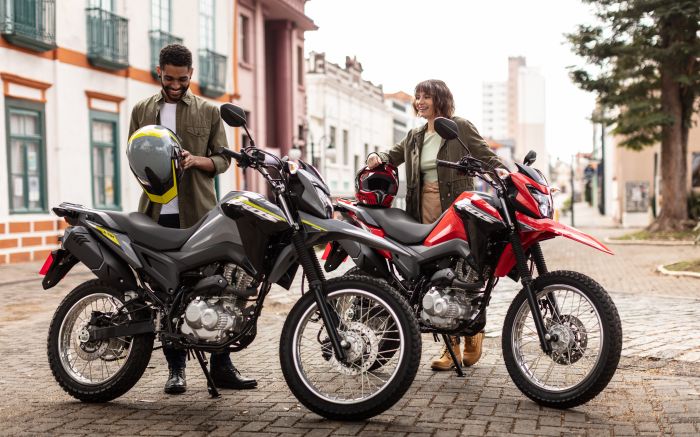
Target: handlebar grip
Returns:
[[232, 153], [450, 164]]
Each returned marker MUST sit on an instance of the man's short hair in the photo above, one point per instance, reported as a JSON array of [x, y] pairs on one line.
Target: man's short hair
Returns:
[[175, 54]]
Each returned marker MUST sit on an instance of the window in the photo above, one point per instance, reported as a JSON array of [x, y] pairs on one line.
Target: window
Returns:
[[695, 170], [346, 147], [106, 5], [331, 142], [26, 156], [300, 66], [357, 164], [244, 22], [160, 15], [206, 24], [105, 164]]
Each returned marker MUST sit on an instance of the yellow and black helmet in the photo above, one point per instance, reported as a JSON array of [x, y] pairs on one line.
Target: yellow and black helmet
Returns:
[[154, 154]]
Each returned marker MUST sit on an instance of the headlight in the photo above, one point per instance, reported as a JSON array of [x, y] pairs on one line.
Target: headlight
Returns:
[[326, 200], [544, 202]]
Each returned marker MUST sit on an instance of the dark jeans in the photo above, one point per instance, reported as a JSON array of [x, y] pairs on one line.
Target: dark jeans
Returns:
[[177, 358]]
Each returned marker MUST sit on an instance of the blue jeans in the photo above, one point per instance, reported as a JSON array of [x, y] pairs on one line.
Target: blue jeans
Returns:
[[177, 358]]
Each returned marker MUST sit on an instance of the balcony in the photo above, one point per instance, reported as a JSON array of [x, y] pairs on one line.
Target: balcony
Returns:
[[108, 39], [212, 73], [160, 39], [29, 23]]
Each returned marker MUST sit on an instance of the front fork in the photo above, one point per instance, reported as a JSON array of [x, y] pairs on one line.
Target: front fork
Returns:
[[526, 278], [312, 269]]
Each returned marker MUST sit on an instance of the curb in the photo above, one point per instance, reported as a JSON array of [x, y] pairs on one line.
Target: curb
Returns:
[[648, 242], [665, 271]]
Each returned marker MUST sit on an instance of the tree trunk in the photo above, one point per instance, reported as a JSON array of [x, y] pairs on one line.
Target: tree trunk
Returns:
[[674, 206]]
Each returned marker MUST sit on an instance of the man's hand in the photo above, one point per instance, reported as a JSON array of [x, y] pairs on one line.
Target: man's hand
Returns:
[[373, 160], [193, 161]]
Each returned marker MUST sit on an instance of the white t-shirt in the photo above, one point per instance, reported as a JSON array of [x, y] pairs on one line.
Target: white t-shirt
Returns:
[[167, 119]]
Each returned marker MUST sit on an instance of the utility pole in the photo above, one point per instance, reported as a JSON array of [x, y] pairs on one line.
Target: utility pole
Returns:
[[573, 190], [601, 206]]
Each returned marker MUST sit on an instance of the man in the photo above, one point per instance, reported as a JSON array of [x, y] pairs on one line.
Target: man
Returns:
[[198, 124]]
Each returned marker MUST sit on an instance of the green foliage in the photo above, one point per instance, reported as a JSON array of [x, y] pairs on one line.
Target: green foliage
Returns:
[[636, 43]]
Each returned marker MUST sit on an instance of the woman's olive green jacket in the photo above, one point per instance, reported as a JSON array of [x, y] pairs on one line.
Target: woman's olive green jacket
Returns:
[[452, 184]]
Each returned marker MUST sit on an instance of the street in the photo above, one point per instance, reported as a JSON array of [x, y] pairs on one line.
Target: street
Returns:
[[656, 389]]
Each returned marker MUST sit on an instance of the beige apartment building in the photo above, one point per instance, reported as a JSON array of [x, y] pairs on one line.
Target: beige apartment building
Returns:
[[636, 180]]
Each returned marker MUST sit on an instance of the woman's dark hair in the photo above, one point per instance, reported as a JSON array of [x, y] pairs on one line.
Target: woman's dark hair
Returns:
[[443, 101], [176, 55]]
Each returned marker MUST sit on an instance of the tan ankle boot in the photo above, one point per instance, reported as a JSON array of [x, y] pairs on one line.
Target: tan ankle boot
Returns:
[[445, 360], [472, 349]]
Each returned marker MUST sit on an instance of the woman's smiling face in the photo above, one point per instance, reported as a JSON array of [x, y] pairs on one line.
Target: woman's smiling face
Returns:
[[424, 105]]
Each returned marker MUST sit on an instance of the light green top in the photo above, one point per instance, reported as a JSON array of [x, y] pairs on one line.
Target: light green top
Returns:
[[428, 156]]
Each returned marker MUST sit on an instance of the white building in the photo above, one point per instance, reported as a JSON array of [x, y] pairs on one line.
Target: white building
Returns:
[[347, 119], [494, 123], [514, 112], [71, 75]]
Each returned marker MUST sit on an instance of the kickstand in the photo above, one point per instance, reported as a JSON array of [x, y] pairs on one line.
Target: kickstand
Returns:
[[210, 382], [458, 365]]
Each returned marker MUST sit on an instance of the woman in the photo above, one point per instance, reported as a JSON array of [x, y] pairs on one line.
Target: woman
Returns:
[[431, 189]]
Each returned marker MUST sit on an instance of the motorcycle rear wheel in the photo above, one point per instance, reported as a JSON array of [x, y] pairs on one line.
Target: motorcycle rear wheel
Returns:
[[95, 371], [588, 342]]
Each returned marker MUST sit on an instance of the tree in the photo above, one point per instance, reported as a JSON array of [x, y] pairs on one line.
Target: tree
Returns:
[[643, 66]]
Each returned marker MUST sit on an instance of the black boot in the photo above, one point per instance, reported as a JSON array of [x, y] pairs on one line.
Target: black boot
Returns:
[[176, 382], [227, 376]]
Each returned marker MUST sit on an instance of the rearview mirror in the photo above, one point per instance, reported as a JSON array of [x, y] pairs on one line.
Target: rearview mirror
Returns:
[[446, 128], [233, 115], [530, 157]]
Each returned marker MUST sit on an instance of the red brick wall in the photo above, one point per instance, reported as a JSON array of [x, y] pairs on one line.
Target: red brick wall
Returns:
[[29, 239]]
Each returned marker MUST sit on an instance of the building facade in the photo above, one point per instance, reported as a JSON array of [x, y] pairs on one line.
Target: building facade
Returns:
[[71, 75], [347, 120], [513, 112]]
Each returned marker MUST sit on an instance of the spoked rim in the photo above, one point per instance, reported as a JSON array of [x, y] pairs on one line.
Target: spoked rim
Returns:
[[354, 381], [579, 335], [91, 363]]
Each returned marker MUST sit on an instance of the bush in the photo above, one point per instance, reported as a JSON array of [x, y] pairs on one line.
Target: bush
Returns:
[[694, 206]]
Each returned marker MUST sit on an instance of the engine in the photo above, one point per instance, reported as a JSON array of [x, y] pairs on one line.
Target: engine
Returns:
[[214, 318], [445, 308]]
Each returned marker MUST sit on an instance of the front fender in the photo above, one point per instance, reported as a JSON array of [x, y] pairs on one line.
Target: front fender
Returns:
[[552, 227], [535, 230], [322, 231]]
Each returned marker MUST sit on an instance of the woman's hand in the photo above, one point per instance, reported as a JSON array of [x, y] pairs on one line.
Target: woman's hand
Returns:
[[373, 160]]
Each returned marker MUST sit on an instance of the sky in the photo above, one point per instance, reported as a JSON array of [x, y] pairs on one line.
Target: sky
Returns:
[[465, 43]]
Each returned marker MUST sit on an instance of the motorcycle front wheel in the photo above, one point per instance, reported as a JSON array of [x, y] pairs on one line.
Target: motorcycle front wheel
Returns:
[[370, 315], [586, 334], [102, 370]]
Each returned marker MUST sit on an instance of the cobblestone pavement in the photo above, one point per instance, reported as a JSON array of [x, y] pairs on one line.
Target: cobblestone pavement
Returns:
[[655, 391]]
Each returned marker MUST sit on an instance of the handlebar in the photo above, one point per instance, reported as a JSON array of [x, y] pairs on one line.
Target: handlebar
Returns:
[[450, 164], [232, 153]]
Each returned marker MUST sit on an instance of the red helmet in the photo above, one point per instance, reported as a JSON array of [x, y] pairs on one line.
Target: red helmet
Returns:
[[378, 186]]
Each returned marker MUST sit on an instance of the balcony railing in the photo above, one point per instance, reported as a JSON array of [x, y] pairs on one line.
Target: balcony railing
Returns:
[[212, 73], [29, 23], [160, 39], [108, 39]]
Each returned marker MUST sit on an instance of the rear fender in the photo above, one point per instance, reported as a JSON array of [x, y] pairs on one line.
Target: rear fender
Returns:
[[97, 257], [61, 262]]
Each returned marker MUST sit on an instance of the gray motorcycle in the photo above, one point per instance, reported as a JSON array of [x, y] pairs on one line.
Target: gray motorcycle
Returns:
[[202, 289]]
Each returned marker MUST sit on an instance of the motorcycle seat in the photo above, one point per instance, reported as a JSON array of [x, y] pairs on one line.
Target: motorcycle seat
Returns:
[[142, 230], [400, 226]]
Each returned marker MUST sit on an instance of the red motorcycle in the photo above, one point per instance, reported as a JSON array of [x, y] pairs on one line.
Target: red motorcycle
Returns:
[[561, 337]]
